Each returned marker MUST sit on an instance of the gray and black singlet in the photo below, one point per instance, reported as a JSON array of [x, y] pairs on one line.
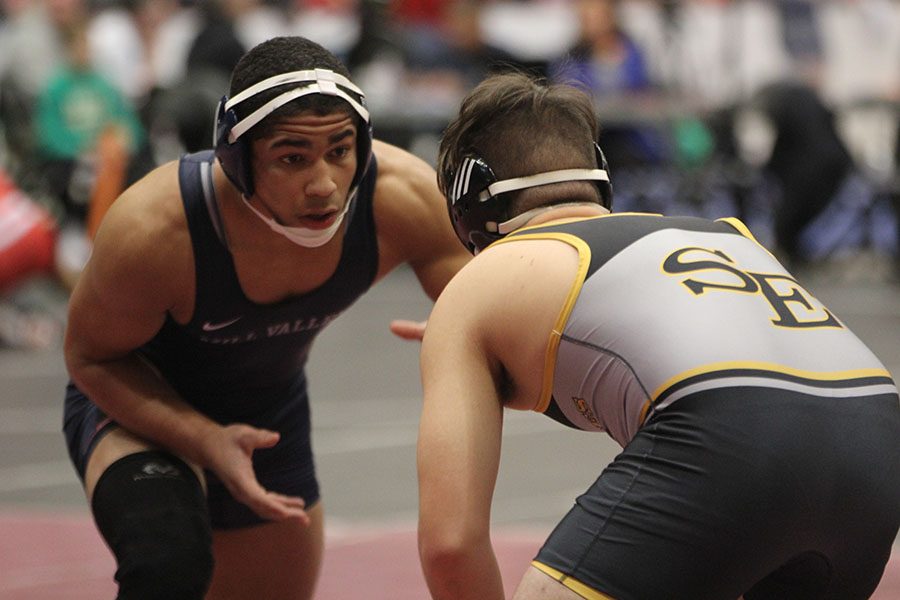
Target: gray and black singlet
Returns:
[[761, 436]]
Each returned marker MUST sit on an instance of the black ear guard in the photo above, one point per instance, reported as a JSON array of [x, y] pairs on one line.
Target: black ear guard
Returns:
[[467, 212], [233, 156], [233, 150], [478, 209]]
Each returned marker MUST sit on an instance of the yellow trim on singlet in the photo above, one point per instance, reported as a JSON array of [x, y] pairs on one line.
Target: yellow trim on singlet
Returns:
[[573, 584], [739, 225], [744, 231], [584, 260], [645, 409], [764, 366]]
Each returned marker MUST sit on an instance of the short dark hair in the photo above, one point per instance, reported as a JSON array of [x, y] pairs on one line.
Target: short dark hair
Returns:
[[280, 55], [520, 125]]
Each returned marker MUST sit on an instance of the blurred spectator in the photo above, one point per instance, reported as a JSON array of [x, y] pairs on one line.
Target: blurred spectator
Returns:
[[31, 43], [181, 115], [533, 32], [254, 21], [217, 45], [430, 31], [860, 50], [117, 50], [808, 160], [646, 22], [336, 24], [860, 81], [725, 50], [473, 56], [89, 144], [447, 38], [842, 118], [168, 29], [802, 37], [73, 110], [31, 49], [605, 59], [416, 60], [607, 62]]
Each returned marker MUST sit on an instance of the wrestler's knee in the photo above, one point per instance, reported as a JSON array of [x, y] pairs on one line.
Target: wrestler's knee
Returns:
[[151, 510]]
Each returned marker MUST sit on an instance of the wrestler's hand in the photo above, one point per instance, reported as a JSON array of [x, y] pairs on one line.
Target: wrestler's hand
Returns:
[[230, 459], [408, 330]]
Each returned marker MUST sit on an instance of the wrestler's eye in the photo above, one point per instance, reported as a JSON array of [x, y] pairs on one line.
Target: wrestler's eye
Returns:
[[342, 151], [292, 159]]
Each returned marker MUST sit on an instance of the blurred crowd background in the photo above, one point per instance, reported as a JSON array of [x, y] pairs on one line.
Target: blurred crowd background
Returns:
[[781, 112]]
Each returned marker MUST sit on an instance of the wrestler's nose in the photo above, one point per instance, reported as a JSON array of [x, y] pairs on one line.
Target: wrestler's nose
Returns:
[[321, 181]]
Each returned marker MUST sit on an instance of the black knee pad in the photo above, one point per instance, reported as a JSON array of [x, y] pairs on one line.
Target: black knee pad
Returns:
[[151, 511]]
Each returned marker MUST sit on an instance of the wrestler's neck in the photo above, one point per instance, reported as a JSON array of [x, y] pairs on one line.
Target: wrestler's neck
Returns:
[[568, 211]]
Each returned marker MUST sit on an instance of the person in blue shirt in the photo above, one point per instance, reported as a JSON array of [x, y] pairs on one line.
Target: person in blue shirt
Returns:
[[605, 60]]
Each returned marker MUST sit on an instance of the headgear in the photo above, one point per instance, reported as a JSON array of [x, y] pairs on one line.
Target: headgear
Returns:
[[480, 211], [233, 150]]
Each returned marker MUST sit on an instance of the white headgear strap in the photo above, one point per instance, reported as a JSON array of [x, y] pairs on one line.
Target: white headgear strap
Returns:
[[520, 183], [320, 81]]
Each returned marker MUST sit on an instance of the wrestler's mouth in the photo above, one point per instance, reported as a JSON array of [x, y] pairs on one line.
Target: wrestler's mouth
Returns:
[[319, 221]]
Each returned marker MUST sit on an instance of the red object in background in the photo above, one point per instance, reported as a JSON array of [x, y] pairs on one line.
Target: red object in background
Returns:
[[430, 12], [27, 236]]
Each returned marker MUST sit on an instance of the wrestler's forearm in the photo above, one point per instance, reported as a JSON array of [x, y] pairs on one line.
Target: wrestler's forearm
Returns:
[[133, 394]]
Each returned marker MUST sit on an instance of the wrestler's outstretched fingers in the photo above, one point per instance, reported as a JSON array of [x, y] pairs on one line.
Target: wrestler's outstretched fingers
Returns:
[[292, 506], [408, 330], [269, 505], [277, 506]]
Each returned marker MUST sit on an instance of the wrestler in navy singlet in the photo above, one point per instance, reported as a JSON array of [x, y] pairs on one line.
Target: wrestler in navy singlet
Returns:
[[735, 393], [239, 361]]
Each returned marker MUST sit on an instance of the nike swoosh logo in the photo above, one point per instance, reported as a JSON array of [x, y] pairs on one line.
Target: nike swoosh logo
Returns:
[[215, 326]]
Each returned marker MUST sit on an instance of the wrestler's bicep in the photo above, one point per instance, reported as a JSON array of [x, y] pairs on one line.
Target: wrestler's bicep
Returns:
[[122, 296]]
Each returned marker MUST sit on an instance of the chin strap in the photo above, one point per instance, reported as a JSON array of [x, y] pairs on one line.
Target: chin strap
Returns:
[[519, 220]]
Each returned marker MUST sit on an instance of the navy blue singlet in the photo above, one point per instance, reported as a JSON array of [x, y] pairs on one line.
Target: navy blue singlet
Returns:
[[240, 361], [235, 356]]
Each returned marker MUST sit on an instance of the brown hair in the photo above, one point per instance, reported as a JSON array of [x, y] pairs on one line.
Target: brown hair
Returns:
[[521, 125]]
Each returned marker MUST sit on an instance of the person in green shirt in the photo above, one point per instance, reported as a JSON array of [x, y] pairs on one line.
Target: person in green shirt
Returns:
[[75, 109]]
